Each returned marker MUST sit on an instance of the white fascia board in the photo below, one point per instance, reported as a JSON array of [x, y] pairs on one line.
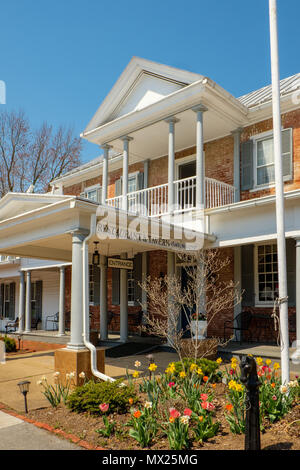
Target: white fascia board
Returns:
[[263, 111], [181, 100]]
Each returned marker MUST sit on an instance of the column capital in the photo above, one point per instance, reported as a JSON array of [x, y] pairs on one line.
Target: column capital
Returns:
[[199, 108], [172, 120], [126, 138], [237, 131], [106, 146], [80, 234]]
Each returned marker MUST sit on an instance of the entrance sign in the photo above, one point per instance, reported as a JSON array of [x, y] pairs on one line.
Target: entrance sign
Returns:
[[119, 263]]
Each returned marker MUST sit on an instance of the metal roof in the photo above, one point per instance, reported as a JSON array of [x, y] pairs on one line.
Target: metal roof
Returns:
[[263, 95]]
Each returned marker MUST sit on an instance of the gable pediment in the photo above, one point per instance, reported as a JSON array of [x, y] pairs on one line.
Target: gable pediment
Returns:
[[146, 90], [141, 84]]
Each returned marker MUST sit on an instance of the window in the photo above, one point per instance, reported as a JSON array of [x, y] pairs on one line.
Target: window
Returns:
[[264, 158], [91, 284], [266, 274], [131, 289], [7, 300], [93, 193]]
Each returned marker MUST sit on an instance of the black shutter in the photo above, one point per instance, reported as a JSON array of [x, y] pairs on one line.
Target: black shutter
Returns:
[[1, 299], [12, 294], [248, 276], [247, 165], [39, 300], [291, 270], [137, 275], [115, 300], [96, 285]]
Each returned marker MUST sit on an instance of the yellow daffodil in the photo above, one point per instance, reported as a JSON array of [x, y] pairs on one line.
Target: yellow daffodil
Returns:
[[193, 366], [152, 367], [136, 374], [259, 361], [219, 361], [182, 374], [199, 371], [276, 366], [268, 362]]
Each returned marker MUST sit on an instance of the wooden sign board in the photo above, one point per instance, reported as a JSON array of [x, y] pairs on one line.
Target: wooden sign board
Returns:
[[119, 263]]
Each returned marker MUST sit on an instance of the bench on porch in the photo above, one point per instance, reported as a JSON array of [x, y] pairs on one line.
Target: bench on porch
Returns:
[[240, 323], [52, 319], [12, 325]]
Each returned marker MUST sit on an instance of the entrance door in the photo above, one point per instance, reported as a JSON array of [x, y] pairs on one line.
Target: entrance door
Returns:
[[188, 310], [186, 195]]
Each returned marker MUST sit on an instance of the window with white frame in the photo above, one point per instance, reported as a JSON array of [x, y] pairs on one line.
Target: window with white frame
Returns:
[[266, 274], [264, 168], [93, 193]]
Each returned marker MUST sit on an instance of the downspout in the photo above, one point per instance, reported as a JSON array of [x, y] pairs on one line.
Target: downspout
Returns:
[[86, 320]]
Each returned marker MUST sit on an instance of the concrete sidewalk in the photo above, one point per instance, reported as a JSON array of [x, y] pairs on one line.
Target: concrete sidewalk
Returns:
[[15, 434]]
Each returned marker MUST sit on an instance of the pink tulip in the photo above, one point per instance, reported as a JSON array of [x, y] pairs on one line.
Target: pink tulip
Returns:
[[104, 407], [204, 396], [174, 413], [171, 384], [206, 405], [187, 412]]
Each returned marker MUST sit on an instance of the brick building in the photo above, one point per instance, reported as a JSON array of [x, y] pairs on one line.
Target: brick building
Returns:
[[179, 149]]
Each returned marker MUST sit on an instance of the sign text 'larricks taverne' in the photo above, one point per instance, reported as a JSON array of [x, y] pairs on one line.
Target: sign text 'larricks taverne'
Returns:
[[119, 263]]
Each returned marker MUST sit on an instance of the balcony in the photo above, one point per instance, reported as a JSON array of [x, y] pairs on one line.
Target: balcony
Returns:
[[153, 202]]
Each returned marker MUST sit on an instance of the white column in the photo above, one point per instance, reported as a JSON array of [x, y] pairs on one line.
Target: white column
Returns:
[[171, 163], [61, 313], [296, 355], [21, 303], [103, 298], [106, 148], [200, 166], [236, 162], [171, 273], [123, 302], [126, 141], [76, 340], [28, 303]]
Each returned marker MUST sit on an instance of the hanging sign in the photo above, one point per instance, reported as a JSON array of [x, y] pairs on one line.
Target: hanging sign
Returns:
[[119, 263]]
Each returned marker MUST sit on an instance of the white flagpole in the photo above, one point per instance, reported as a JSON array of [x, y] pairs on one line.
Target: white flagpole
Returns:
[[281, 245]]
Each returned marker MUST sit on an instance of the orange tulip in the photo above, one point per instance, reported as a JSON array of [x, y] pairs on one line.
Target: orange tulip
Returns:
[[137, 414]]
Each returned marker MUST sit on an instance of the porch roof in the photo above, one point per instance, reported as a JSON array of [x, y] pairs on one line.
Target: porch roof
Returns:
[[41, 225]]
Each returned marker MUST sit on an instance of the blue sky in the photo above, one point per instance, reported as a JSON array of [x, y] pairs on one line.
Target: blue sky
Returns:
[[59, 59]]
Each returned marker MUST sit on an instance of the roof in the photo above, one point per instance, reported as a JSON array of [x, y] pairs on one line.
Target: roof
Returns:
[[263, 95]]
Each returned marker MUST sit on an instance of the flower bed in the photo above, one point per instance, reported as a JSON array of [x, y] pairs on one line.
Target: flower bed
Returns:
[[180, 409]]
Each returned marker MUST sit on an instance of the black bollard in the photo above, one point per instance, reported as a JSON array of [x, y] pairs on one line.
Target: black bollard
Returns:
[[250, 379]]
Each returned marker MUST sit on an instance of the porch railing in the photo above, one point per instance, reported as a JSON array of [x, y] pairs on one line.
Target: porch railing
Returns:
[[153, 202]]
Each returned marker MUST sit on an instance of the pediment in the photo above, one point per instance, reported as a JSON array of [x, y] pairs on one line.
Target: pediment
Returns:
[[141, 84], [146, 90]]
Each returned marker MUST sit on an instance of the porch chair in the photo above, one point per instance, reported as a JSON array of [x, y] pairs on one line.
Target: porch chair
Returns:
[[52, 319], [12, 325], [241, 323]]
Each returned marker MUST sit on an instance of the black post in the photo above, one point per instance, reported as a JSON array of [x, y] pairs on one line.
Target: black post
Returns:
[[252, 426], [25, 401]]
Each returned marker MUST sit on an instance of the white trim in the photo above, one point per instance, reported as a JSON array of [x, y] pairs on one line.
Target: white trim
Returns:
[[260, 303]]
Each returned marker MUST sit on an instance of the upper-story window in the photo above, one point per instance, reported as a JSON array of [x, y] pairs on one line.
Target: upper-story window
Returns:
[[93, 193], [258, 169]]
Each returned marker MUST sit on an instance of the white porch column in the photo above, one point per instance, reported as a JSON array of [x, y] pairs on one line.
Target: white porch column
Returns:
[[61, 314], [296, 355], [200, 165], [76, 340], [103, 298], [171, 273], [28, 303], [21, 303], [106, 148], [171, 163], [123, 303], [126, 141], [236, 162]]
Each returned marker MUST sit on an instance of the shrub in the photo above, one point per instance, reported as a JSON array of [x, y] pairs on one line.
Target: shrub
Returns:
[[89, 396], [10, 344], [209, 368]]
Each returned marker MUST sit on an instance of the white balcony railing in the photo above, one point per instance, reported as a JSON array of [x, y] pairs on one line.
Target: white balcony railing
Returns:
[[153, 202]]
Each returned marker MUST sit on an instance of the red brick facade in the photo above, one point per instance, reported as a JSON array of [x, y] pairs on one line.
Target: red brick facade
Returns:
[[218, 165]]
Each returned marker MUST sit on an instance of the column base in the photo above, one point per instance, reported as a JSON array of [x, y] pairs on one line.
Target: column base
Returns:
[[68, 360], [295, 357]]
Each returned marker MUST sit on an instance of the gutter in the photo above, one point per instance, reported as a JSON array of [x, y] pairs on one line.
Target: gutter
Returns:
[[86, 320]]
